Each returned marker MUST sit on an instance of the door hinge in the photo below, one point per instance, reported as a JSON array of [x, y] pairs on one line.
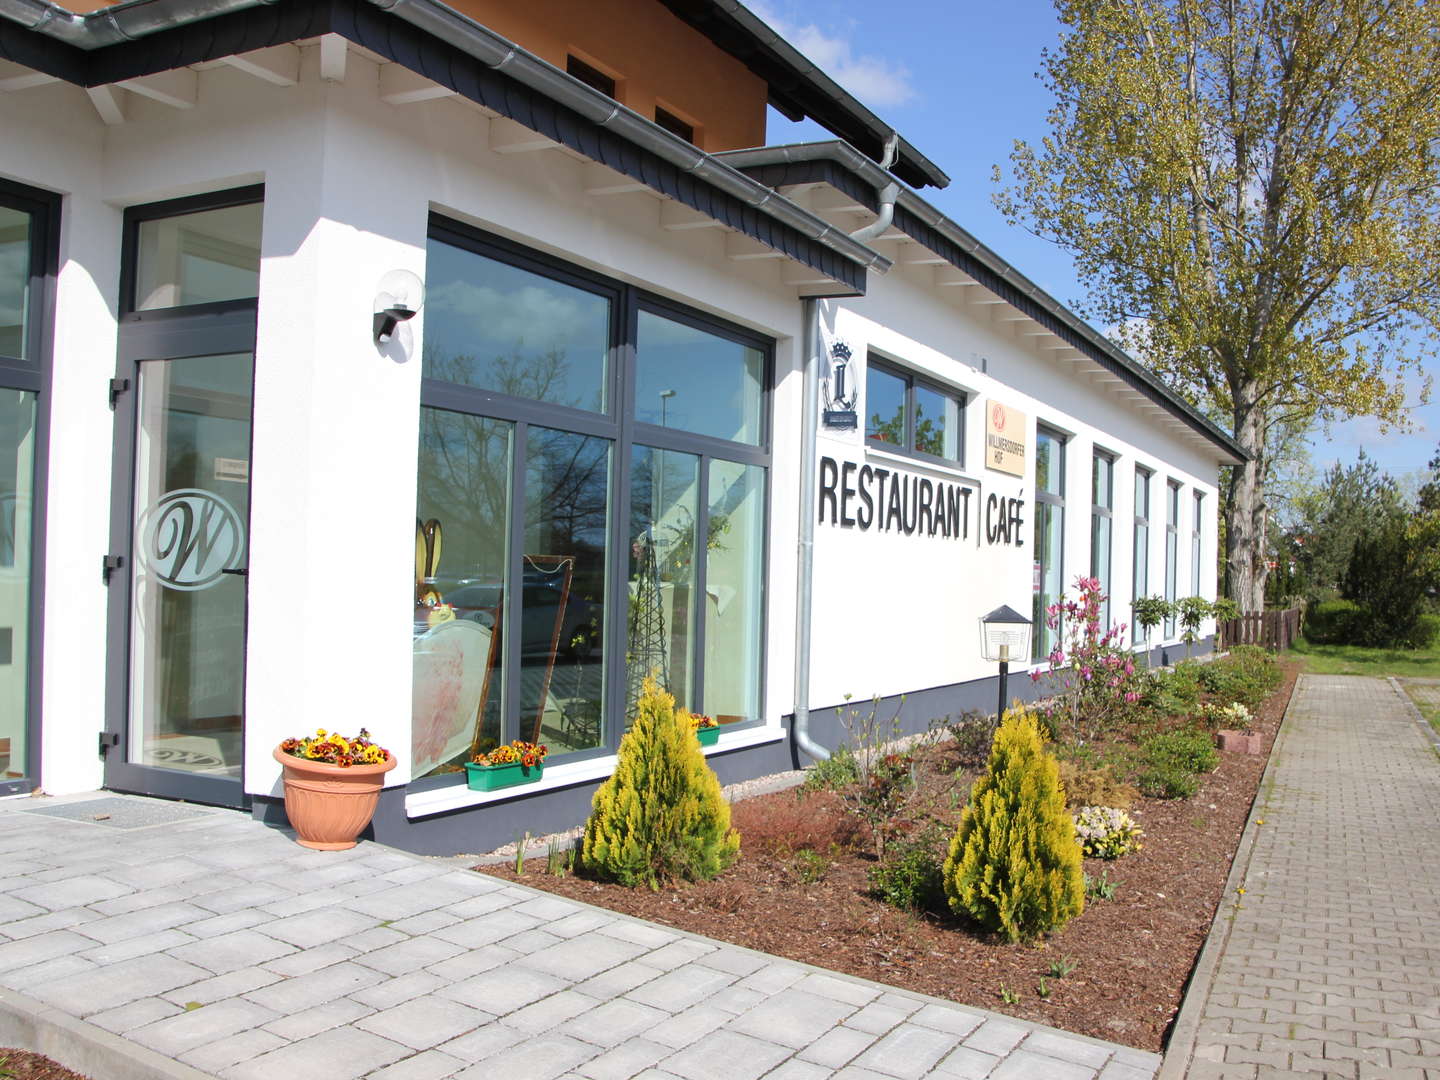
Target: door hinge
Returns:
[[111, 564], [107, 740], [117, 387]]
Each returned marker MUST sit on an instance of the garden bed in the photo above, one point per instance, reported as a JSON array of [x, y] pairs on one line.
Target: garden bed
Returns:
[[1132, 954], [16, 1064]]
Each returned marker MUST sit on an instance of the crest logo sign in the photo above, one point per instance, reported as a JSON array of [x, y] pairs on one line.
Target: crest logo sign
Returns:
[[189, 537]]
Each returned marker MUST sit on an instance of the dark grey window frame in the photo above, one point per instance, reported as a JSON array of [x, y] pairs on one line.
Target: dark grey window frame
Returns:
[[619, 425], [1056, 499], [33, 374], [224, 326], [1142, 521], [1172, 550], [913, 379], [1103, 510], [1197, 510]]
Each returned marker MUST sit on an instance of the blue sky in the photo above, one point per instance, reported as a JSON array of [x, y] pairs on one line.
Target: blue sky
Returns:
[[958, 80]]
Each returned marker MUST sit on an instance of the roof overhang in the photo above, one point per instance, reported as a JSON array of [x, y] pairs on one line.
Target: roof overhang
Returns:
[[851, 172]]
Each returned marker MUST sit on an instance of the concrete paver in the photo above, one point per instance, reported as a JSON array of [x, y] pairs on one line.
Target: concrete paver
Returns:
[[1327, 961], [244, 956]]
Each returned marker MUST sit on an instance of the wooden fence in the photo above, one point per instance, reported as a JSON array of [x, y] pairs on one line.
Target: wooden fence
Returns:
[[1272, 629]]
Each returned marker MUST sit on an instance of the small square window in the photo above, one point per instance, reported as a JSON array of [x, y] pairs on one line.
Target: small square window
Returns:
[[914, 417], [673, 124], [592, 77]]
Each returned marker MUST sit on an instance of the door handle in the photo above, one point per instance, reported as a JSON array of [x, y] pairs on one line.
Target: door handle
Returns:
[[238, 571]]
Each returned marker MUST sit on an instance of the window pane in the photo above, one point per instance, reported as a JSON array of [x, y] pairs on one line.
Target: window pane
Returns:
[[14, 280], [734, 591], [567, 510], [1049, 463], [1100, 562], [695, 381], [937, 423], [497, 327], [1170, 559], [664, 505], [1102, 482], [17, 469], [1141, 582], [462, 526], [200, 258], [1142, 494], [885, 405], [1172, 505], [1049, 530], [1195, 544]]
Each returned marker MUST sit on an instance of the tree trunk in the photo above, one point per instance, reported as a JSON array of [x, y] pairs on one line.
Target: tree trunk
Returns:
[[1245, 515]]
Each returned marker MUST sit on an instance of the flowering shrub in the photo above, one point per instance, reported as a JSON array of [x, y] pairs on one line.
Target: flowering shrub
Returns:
[[1095, 672], [700, 720], [1232, 717], [336, 750], [526, 753], [1106, 832]]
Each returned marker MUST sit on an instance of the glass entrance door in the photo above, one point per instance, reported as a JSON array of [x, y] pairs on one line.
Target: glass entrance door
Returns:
[[178, 696]]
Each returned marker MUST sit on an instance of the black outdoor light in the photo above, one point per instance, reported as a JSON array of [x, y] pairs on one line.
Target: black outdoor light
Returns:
[[400, 296], [1004, 636]]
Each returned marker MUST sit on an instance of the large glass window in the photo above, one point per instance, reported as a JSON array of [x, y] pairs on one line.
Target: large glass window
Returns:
[[510, 328], [698, 381], [27, 223], [911, 416], [1049, 536], [566, 551], [1172, 544], [1102, 505], [1140, 576]]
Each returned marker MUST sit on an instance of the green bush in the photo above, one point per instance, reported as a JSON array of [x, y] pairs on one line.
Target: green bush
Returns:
[[1392, 570], [1332, 622], [1014, 864], [838, 771], [910, 878], [661, 815], [1427, 631], [1167, 763], [1175, 692], [1248, 675]]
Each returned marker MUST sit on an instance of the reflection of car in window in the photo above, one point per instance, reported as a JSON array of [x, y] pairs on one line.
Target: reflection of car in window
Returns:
[[540, 597]]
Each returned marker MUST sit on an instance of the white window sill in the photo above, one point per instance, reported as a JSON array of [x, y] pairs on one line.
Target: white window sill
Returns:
[[440, 800]]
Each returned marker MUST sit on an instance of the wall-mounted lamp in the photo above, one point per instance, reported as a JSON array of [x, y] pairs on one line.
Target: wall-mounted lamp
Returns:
[[401, 294], [1004, 636], [839, 398]]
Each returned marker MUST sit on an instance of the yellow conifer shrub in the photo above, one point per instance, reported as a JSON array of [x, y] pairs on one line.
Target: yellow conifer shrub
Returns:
[[660, 816], [1014, 863]]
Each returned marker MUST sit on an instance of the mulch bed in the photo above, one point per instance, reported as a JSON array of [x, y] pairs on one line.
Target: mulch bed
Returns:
[[1133, 954], [24, 1065]]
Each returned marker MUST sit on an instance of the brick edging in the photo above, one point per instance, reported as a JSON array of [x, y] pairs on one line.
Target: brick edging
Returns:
[[83, 1047], [1178, 1052], [1408, 704]]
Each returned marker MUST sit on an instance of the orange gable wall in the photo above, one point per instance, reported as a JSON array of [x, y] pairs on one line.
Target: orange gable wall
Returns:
[[654, 57]]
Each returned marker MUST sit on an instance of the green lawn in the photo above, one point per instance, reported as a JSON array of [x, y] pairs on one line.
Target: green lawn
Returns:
[[1354, 660]]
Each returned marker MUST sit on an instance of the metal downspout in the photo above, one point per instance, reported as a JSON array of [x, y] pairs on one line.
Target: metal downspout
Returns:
[[809, 428], [888, 194]]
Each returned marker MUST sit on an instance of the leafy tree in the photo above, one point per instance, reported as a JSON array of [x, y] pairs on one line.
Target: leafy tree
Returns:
[[1429, 496], [1250, 192], [1394, 569]]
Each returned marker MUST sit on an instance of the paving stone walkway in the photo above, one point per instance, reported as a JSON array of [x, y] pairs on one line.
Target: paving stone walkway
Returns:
[[1332, 963], [217, 947]]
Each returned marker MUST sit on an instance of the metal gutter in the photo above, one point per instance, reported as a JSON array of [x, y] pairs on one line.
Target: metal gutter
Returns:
[[440, 20], [1105, 351], [806, 70], [112, 25]]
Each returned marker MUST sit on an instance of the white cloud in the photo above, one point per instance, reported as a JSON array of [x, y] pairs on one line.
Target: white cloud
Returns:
[[872, 79]]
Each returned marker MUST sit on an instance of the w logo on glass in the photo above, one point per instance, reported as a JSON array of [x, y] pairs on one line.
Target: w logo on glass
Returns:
[[189, 537]]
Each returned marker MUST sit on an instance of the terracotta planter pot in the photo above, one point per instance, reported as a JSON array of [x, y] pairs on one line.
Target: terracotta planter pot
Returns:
[[328, 806], [1238, 742]]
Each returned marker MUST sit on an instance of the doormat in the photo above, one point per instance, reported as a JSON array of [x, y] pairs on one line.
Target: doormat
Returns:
[[121, 813]]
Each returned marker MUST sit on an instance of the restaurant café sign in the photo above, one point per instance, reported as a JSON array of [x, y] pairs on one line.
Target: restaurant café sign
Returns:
[[867, 497]]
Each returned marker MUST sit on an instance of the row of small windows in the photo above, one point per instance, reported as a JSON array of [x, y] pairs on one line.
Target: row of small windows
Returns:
[[596, 79]]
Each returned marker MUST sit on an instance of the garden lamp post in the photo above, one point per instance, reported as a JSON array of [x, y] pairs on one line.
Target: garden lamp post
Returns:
[[1004, 636]]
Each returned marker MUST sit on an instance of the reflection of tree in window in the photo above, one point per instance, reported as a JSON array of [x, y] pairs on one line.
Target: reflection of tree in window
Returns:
[[542, 377], [890, 431], [566, 496], [929, 437]]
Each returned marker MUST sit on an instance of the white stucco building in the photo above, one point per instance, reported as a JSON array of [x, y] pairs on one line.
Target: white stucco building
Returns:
[[610, 439]]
